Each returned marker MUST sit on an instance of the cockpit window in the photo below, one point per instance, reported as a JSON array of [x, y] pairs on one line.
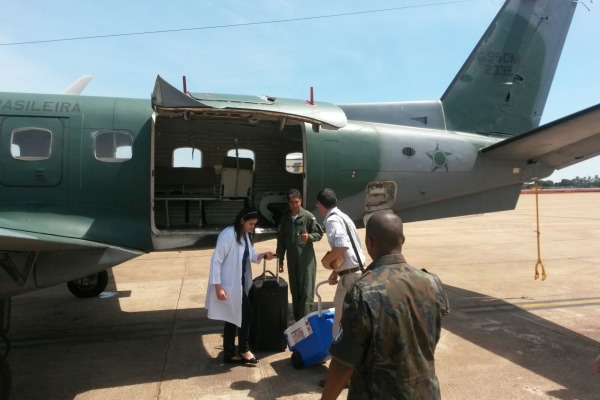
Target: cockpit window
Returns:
[[294, 163], [31, 144], [113, 146]]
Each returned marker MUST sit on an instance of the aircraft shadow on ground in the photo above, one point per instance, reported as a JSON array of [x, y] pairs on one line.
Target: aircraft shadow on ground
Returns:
[[534, 343], [70, 346]]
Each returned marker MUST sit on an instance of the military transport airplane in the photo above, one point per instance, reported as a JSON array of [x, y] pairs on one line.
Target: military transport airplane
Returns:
[[87, 183]]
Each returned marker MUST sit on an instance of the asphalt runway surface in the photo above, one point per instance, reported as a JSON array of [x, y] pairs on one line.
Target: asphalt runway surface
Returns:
[[508, 336]]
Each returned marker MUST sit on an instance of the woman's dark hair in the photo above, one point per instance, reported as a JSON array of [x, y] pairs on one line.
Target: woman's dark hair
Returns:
[[246, 214]]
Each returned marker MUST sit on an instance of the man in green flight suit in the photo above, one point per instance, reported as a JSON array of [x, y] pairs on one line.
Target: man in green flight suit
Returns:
[[297, 232]]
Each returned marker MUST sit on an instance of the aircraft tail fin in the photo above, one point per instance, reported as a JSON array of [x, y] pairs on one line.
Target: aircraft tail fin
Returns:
[[502, 88], [77, 87]]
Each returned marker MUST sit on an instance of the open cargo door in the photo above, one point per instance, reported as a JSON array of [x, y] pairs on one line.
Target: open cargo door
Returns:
[[167, 100]]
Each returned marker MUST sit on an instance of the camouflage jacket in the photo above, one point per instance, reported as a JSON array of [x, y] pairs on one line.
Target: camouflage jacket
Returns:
[[391, 324]]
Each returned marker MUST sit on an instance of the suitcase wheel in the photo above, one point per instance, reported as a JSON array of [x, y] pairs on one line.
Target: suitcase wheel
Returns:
[[297, 361]]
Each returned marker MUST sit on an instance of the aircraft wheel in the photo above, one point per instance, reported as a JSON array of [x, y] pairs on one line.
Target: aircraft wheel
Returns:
[[4, 346], [297, 361], [89, 286], [5, 379]]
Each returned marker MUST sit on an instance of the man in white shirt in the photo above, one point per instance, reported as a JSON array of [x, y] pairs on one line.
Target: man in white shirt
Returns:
[[343, 239]]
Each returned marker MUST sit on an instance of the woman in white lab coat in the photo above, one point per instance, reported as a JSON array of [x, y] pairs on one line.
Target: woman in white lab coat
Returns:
[[229, 282]]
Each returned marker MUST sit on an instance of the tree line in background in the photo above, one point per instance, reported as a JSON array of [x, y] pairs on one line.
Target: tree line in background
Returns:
[[577, 182]]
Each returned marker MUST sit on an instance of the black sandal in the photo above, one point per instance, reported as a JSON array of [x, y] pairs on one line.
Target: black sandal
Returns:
[[252, 360], [231, 360]]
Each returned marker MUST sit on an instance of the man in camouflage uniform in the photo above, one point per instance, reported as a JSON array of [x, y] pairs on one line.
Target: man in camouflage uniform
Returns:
[[391, 324], [297, 232]]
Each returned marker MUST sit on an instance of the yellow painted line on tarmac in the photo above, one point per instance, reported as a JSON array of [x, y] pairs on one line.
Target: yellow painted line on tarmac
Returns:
[[487, 308], [556, 304], [533, 306]]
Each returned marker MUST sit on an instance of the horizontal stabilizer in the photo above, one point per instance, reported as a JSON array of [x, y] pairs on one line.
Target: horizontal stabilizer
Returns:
[[558, 144]]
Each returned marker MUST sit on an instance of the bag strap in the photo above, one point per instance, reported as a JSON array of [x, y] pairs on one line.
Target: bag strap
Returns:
[[360, 264]]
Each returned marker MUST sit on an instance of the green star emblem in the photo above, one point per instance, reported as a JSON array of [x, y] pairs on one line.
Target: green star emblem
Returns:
[[438, 158]]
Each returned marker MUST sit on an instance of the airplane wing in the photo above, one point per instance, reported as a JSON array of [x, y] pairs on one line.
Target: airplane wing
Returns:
[[167, 99], [558, 144], [77, 87], [18, 240], [32, 260]]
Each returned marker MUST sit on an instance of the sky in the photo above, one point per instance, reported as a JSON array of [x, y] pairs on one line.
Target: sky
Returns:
[[346, 49]]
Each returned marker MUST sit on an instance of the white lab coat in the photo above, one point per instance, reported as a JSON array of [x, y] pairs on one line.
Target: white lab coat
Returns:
[[226, 269]]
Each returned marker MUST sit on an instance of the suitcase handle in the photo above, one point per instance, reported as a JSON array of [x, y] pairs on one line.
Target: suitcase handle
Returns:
[[264, 274]]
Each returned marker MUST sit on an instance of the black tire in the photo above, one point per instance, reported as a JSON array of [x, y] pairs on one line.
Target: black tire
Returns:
[[89, 286], [4, 346], [297, 361], [5, 379]]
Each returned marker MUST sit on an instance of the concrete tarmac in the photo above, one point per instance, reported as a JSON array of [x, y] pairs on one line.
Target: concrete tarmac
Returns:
[[508, 336]]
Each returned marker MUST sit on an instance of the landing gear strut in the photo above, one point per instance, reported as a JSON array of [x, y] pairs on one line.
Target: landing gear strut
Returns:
[[89, 286], [5, 377]]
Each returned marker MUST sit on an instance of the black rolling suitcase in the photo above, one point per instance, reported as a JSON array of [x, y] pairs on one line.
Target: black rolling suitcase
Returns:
[[269, 298]]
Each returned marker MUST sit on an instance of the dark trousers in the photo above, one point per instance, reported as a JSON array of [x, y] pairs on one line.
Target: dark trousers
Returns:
[[302, 288], [243, 332]]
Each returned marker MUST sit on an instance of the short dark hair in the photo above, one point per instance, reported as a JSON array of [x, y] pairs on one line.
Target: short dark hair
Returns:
[[294, 193], [386, 229], [327, 198]]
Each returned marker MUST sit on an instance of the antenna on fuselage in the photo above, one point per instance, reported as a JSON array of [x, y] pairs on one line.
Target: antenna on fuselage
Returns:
[[185, 86], [312, 97], [585, 5]]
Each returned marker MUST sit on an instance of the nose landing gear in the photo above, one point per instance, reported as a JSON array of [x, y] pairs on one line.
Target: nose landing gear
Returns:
[[89, 286], [5, 376]]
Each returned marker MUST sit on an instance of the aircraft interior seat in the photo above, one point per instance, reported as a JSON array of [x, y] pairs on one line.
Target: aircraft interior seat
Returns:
[[243, 162], [185, 181], [236, 177]]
